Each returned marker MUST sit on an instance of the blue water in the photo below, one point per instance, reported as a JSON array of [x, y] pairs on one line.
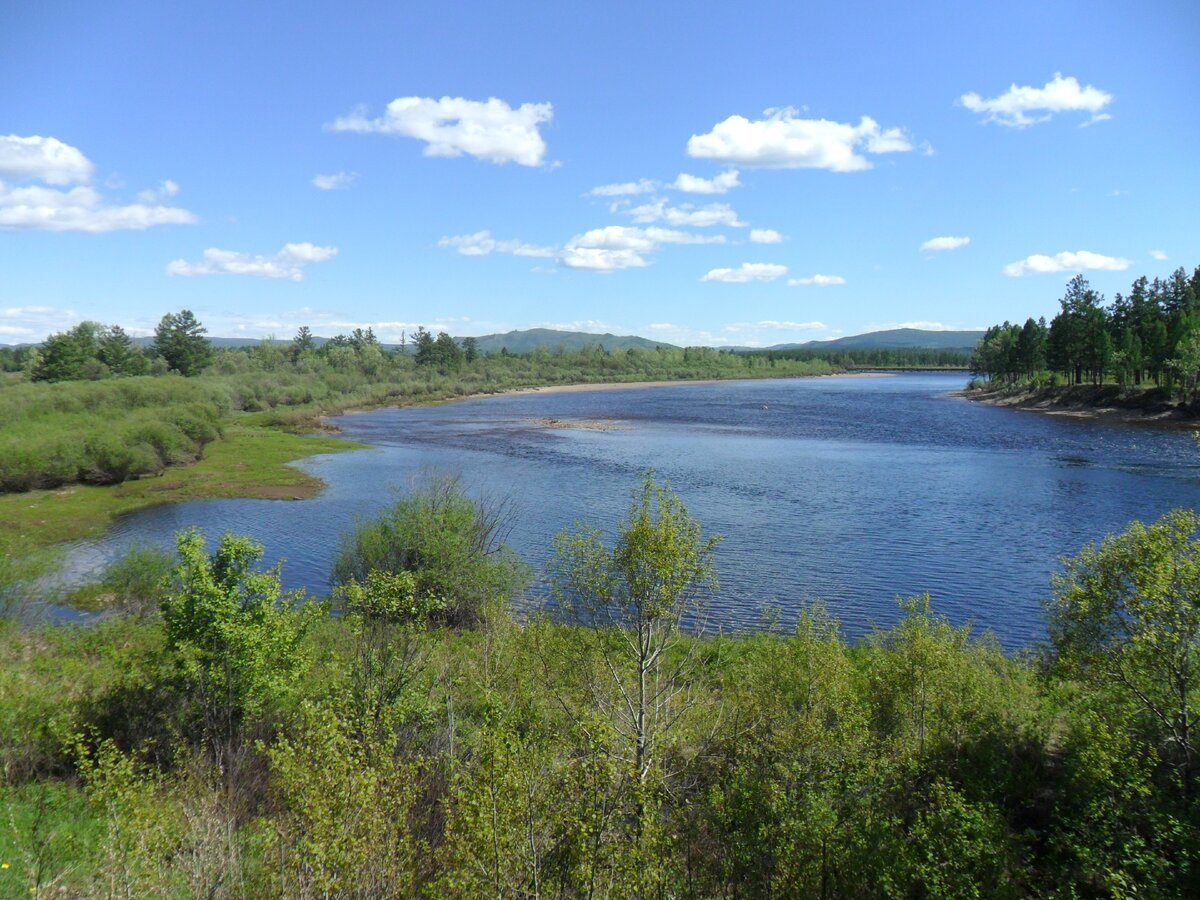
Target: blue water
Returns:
[[853, 490]]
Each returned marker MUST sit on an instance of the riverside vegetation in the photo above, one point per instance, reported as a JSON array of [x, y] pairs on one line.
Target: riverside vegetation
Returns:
[[214, 736], [1144, 347], [222, 739], [90, 408]]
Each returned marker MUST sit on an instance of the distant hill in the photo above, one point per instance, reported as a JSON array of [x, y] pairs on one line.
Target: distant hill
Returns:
[[896, 339], [532, 338]]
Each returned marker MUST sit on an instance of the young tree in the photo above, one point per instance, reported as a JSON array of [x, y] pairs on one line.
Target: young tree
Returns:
[[640, 590], [302, 343], [180, 340], [447, 353], [234, 638], [423, 344], [1125, 617]]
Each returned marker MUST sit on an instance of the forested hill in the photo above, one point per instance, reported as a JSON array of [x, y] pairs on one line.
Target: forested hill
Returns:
[[528, 340], [896, 338], [531, 338]]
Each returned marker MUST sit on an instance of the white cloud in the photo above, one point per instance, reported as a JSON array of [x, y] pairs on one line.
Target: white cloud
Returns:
[[288, 263], [623, 247], [1080, 261], [773, 325], [591, 326], [490, 129], [81, 208], [1160, 255], [601, 259], [481, 243], [687, 214], [765, 236], [165, 191], [26, 324], [42, 159], [746, 273], [944, 243], [781, 140], [335, 182], [920, 326], [721, 184], [817, 281], [625, 188], [1019, 107]]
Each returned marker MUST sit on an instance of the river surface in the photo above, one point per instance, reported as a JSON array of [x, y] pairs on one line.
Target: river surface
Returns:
[[853, 490]]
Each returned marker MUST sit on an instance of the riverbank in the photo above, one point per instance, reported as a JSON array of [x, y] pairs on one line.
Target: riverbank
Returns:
[[586, 386], [250, 461], [1109, 402]]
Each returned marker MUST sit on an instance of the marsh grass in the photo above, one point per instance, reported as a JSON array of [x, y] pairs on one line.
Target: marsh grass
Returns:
[[248, 462]]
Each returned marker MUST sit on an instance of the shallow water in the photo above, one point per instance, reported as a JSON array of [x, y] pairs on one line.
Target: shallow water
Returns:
[[854, 490]]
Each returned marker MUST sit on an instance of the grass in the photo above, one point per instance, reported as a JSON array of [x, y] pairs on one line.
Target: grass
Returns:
[[250, 461]]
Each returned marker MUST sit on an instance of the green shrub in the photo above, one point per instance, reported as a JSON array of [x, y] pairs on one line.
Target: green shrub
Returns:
[[450, 543]]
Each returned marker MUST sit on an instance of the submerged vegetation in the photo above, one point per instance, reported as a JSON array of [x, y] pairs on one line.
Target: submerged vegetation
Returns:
[[240, 743]]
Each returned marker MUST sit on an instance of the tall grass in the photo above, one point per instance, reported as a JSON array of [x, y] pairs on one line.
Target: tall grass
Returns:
[[106, 432]]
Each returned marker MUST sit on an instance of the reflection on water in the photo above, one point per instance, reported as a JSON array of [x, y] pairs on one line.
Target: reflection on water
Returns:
[[853, 490]]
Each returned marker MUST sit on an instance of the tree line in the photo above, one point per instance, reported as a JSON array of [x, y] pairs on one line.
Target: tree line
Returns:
[[1149, 336]]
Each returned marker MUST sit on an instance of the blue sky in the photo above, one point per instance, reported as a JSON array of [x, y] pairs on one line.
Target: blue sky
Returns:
[[698, 173]]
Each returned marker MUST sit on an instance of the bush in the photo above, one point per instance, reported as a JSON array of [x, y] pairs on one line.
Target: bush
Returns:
[[451, 544]]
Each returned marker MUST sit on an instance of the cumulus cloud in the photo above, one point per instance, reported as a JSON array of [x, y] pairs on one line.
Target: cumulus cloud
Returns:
[[817, 281], [45, 159], [1019, 107], [624, 247], [765, 236], [944, 243], [721, 184], [687, 215], [37, 207], [746, 272], [625, 188], [1160, 255], [1079, 261], [481, 243], [781, 140], [33, 323], [82, 208], [335, 182], [288, 263], [490, 129]]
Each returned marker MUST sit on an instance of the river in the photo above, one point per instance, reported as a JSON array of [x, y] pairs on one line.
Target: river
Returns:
[[853, 490]]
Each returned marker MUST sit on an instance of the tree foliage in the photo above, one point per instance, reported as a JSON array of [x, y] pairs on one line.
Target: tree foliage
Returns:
[[179, 339], [1150, 335]]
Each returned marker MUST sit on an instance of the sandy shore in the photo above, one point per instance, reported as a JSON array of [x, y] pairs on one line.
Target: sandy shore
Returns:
[[640, 385], [1048, 407]]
